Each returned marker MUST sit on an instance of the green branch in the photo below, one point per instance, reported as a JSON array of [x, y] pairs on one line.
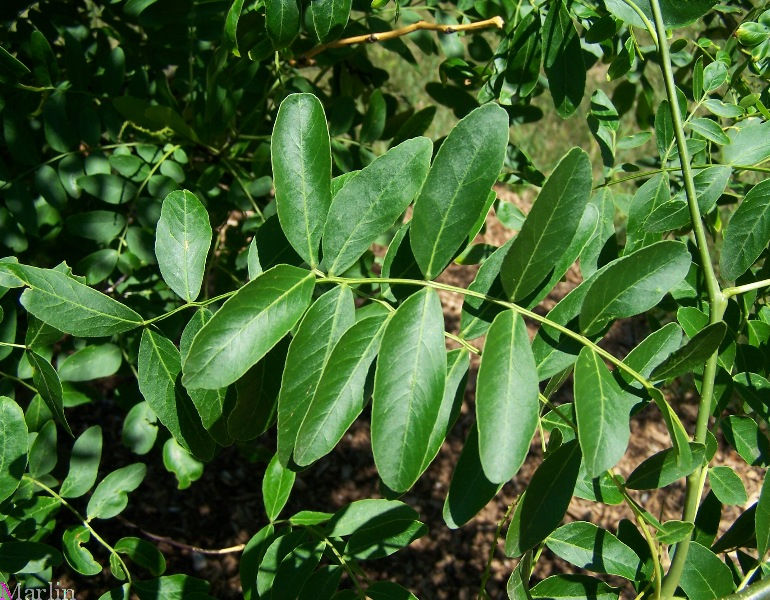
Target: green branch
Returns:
[[717, 302], [510, 305], [85, 522]]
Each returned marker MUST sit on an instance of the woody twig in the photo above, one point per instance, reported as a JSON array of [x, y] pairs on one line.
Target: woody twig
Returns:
[[370, 38]]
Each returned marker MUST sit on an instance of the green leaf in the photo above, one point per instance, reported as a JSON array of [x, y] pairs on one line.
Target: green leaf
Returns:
[[543, 505], [518, 583], [507, 404], [727, 485], [182, 241], [309, 518], [91, 362], [747, 233], [743, 434], [99, 225], [762, 519], [329, 18], [675, 12], [704, 575], [550, 226], [339, 397], [458, 362], [664, 129], [70, 306], [470, 490], [27, 557], [673, 532], [143, 553], [49, 387], [42, 451], [252, 557], [172, 587], [369, 203], [693, 354], [563, 60], [140, 429], [231, 26], [13, 446], [408, 389], [710, 183], [749, 144], [651, 352], [84, 463], [376, 114], [282, 21], [709, 129], [654, 193], [111, 495], [371, 512], [212, 405], [590, 547], [253, 264], [383, 539], [714, 76], [662, 469], [388, 590], [574, 587], [78, 557], [309, 352], [602, 411], [477, 315], [257, 395], [456, 189], [276, 487], [296, 568], [249, 323], [111, 189], [181, 463], [302, 168], [159, 366], [634, 284]]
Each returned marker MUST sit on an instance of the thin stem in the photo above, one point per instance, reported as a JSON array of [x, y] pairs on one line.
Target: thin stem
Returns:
[[187, 305], [172, 542], [31, 388], [754, 592], [154, 168], [640, 13], [396, 33], [557, 412], [341, 560], [10, 345], [463, 342], [234, 173], [488, 568], [654, 552], [742, 289], [717, 303], [515, 307], [85, 522]]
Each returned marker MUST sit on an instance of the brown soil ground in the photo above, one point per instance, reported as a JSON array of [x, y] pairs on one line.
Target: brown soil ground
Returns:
[[224, 508]]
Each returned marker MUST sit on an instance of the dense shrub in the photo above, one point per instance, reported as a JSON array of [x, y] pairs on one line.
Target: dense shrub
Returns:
[[195, 196]]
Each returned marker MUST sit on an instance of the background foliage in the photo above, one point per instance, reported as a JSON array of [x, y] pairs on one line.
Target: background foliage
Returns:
[[203, 211]]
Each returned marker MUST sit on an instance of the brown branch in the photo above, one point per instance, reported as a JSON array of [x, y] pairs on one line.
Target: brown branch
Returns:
[[370, 38], [172, 542]]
